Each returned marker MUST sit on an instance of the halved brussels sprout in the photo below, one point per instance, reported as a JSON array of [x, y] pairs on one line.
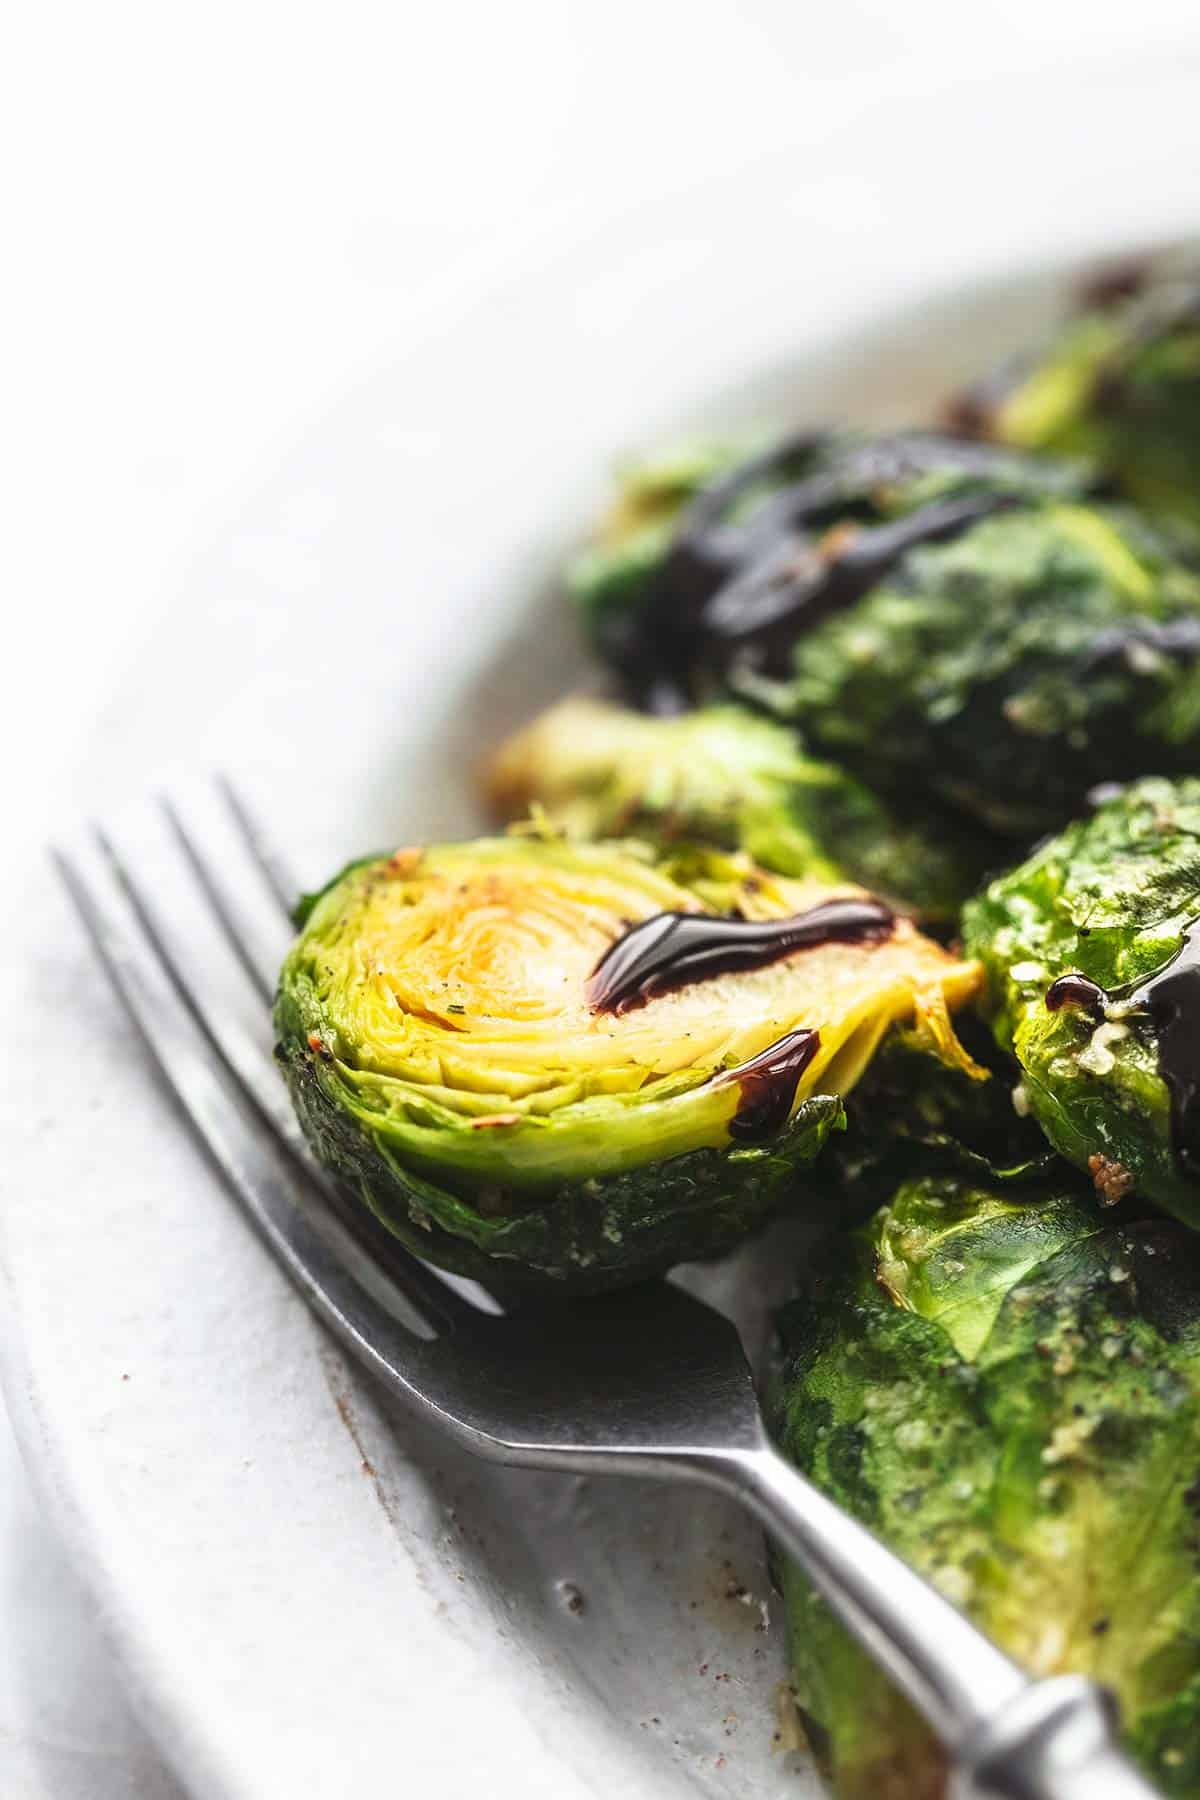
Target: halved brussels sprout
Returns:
[[1008, 1393], [460, 1059], [726, 776], [1119, 382], [1094, 977]]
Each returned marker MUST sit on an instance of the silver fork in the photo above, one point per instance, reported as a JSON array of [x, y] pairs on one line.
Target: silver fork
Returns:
[[651, 1382]]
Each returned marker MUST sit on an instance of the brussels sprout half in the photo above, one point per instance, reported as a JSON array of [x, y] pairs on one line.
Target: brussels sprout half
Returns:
[[1009, 1394], [1092, 985], [729, 777], [441, 1038], [1118, 382]]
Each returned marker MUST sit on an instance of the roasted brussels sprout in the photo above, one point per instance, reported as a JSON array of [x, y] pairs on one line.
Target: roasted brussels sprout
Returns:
[[1009, 1394], [731, 778], [960, 626], [1119, 382], [772, 542], [1094, 975], [587, 1062], [1048, 648]]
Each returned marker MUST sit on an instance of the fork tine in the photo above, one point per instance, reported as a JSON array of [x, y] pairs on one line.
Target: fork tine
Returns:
[[266, 856], [426, 1294], [241, 882], [238, 878], [245, 1056], [295, 1214]]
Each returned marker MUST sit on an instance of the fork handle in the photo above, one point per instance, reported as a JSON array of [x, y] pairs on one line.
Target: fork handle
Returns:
[[1055, 1742], [1010, 1738]]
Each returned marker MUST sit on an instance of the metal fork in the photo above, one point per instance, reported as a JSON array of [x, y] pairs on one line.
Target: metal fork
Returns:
[[650, 1382]]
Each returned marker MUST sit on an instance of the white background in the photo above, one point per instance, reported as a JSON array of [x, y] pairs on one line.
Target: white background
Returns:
[[218, 217]]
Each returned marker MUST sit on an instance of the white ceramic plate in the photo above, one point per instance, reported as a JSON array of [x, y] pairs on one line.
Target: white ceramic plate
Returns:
[[309, 1596]]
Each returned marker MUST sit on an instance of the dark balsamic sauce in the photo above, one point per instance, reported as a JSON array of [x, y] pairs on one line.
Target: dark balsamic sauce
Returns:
[[1176, 639], [708, 547], [672, 950], [782, 595], [1114, 283], [1171, 997], [737, 587], [846, 486], [768, 1083], [1076, 991], [654, 646], [974, 410]]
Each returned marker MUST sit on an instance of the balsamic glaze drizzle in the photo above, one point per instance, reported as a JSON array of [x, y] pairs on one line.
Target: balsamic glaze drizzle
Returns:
[[1076, 991], [768, 1083], [1114, 283], [1173, 638], [793, 588], [671, 950], [1171, 997], [731, 587]]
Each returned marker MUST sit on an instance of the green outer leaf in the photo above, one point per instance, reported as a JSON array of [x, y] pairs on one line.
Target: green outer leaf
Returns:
[[1029, 1440], [585, 1235], [1108, 897]]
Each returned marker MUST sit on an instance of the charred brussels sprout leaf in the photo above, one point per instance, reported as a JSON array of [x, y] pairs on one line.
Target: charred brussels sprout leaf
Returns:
[[1110, 1061], [731, 778], [1009, 1394], [1118, 382], [438, 1029]]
